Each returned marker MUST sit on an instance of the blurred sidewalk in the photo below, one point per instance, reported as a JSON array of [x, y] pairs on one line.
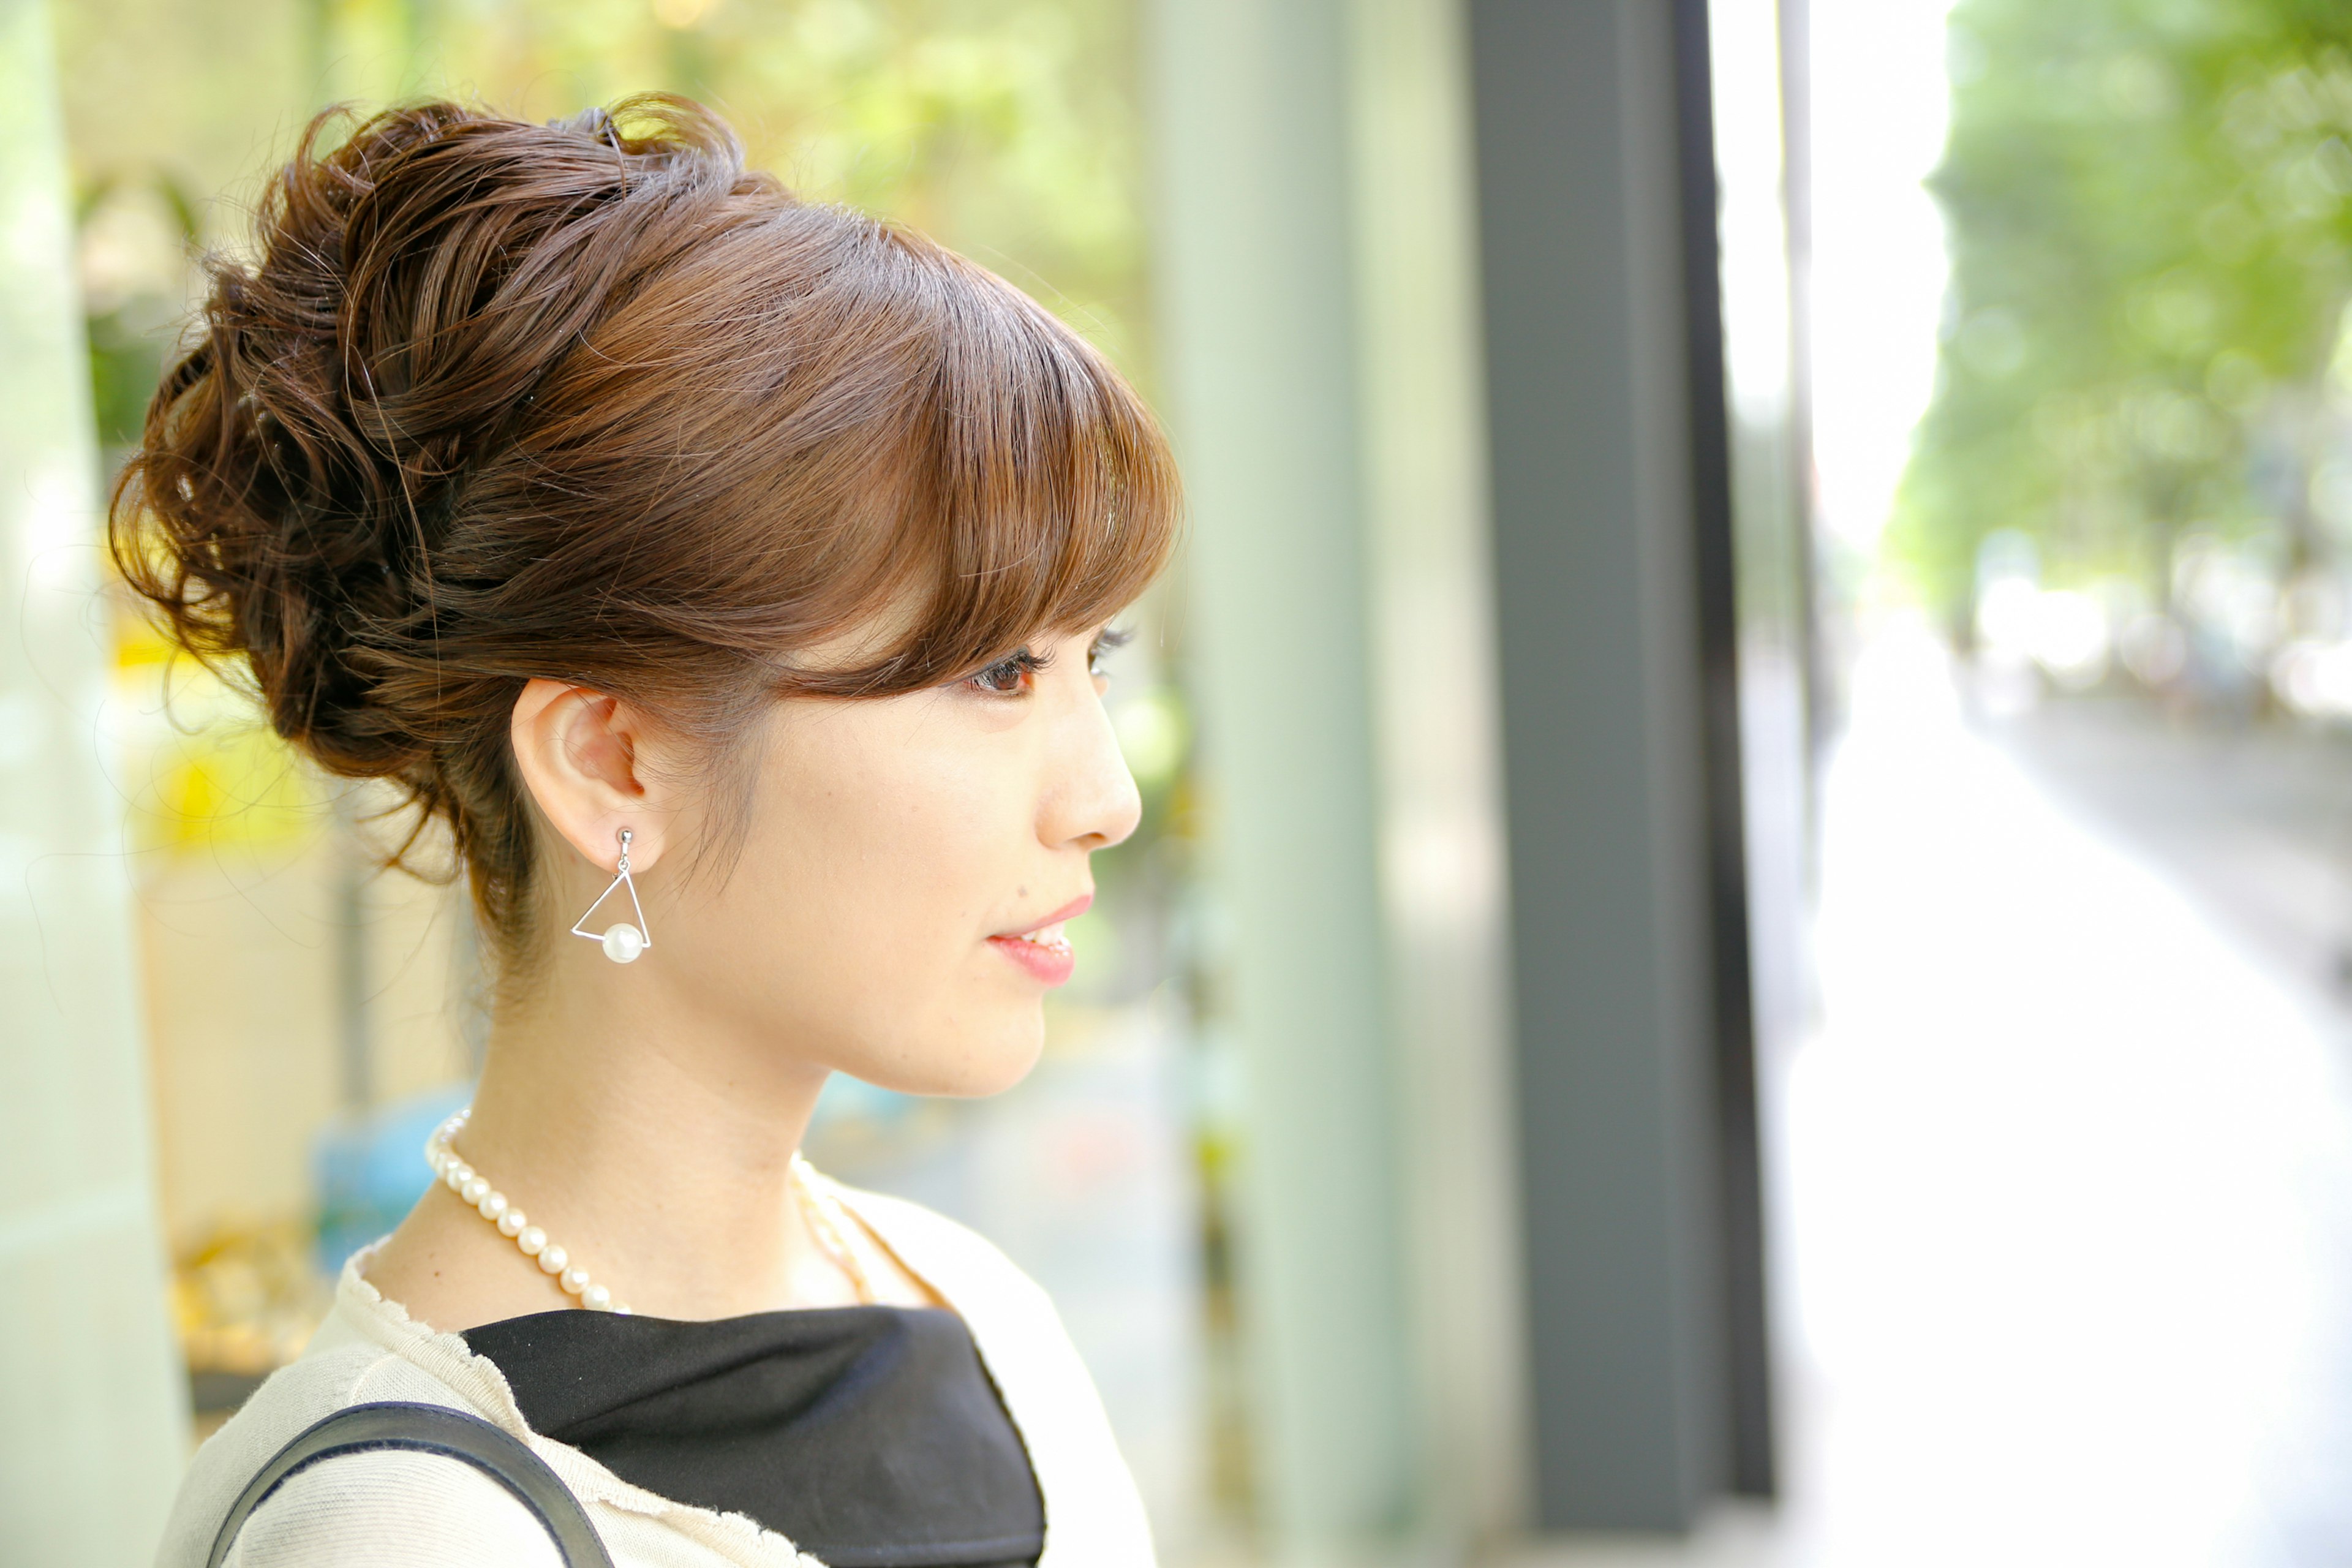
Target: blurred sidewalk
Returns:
[[2253, 820], [2063, 1187]]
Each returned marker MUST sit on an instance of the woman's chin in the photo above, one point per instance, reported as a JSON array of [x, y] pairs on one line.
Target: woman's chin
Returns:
[[995, 1078], [961, 1070], [1010, 1060]]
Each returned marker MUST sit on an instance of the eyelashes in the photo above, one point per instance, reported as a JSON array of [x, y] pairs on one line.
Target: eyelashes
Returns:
[[1017, 671], [1106, 641], [1010, 676]]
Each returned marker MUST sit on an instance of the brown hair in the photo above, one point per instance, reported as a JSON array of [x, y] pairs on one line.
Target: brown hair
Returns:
[[592, 401]]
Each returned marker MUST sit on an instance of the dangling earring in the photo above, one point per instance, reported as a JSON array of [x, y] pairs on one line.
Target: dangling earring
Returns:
[[623, 942]]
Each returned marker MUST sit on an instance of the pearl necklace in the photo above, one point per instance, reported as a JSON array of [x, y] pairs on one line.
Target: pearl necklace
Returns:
[[819, 1208]]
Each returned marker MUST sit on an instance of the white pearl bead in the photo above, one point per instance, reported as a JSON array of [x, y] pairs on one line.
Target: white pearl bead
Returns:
[[624, 943]]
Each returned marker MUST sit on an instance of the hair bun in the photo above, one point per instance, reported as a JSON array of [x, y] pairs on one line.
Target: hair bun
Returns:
[[416, 283]]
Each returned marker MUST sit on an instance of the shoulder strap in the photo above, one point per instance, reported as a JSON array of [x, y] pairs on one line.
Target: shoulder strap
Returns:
[[429, 1429]]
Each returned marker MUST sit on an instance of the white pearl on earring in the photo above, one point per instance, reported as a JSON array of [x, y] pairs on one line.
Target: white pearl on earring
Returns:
[[623, 942], [553, 1258]]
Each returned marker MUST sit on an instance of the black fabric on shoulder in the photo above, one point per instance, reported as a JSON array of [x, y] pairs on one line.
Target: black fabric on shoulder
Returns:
[[870, 1436]]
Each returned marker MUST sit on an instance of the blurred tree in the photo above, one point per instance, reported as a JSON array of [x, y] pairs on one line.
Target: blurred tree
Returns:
[[1004, 128], [2149, 205], [1007, 129]]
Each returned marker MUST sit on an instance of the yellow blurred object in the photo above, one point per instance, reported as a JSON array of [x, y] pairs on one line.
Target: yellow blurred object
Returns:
[[247, 1297], [200, 765]]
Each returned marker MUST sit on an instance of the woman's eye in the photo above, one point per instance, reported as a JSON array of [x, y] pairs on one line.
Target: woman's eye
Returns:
[[1007, 676]]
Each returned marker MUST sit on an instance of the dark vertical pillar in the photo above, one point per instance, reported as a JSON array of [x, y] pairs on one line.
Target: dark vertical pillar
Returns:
[[1613, 607], [1747, 1370]]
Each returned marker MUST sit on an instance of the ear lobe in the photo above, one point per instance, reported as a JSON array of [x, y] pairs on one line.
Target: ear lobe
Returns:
[[579, 753]]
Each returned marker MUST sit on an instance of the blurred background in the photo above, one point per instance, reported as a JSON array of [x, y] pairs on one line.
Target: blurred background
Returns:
[[1741, 947]]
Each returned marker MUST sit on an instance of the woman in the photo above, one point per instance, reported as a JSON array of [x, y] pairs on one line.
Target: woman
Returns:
[[726, 576]]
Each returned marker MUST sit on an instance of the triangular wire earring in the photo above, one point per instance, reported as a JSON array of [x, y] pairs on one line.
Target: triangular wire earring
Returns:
[[623, 942]]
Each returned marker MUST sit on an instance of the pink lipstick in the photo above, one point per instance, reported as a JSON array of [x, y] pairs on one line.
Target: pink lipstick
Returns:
[[1042, 949]]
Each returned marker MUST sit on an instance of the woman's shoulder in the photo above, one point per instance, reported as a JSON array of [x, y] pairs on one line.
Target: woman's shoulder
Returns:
[[385, 1509], [380, 1507]]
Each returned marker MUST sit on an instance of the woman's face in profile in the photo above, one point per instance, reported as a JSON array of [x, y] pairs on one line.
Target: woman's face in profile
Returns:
[[909, 863]]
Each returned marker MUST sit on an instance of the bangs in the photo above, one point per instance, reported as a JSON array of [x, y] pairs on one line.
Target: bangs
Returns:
[[886, 449], [1034, 491]]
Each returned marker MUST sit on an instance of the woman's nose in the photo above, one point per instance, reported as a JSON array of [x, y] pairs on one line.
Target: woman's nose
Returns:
[[1090, 799]]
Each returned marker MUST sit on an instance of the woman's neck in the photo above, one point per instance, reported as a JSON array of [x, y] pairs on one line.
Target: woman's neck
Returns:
[[671, 1182], [649, 1141]]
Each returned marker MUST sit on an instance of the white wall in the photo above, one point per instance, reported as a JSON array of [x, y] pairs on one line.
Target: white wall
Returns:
[[93, 1424]]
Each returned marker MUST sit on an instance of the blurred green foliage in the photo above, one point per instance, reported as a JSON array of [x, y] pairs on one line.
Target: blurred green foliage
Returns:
[[1007, 129], [2149, 205]]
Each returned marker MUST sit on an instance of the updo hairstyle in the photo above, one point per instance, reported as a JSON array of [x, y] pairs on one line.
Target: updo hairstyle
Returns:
[[592, 402]]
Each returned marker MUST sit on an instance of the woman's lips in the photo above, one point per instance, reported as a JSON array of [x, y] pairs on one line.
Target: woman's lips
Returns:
[[1043, 950]]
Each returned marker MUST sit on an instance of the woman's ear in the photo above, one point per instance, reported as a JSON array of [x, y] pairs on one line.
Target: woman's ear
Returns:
[[584, 758]]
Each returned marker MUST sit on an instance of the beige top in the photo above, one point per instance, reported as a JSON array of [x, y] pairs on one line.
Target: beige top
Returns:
[[406, 1509]]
